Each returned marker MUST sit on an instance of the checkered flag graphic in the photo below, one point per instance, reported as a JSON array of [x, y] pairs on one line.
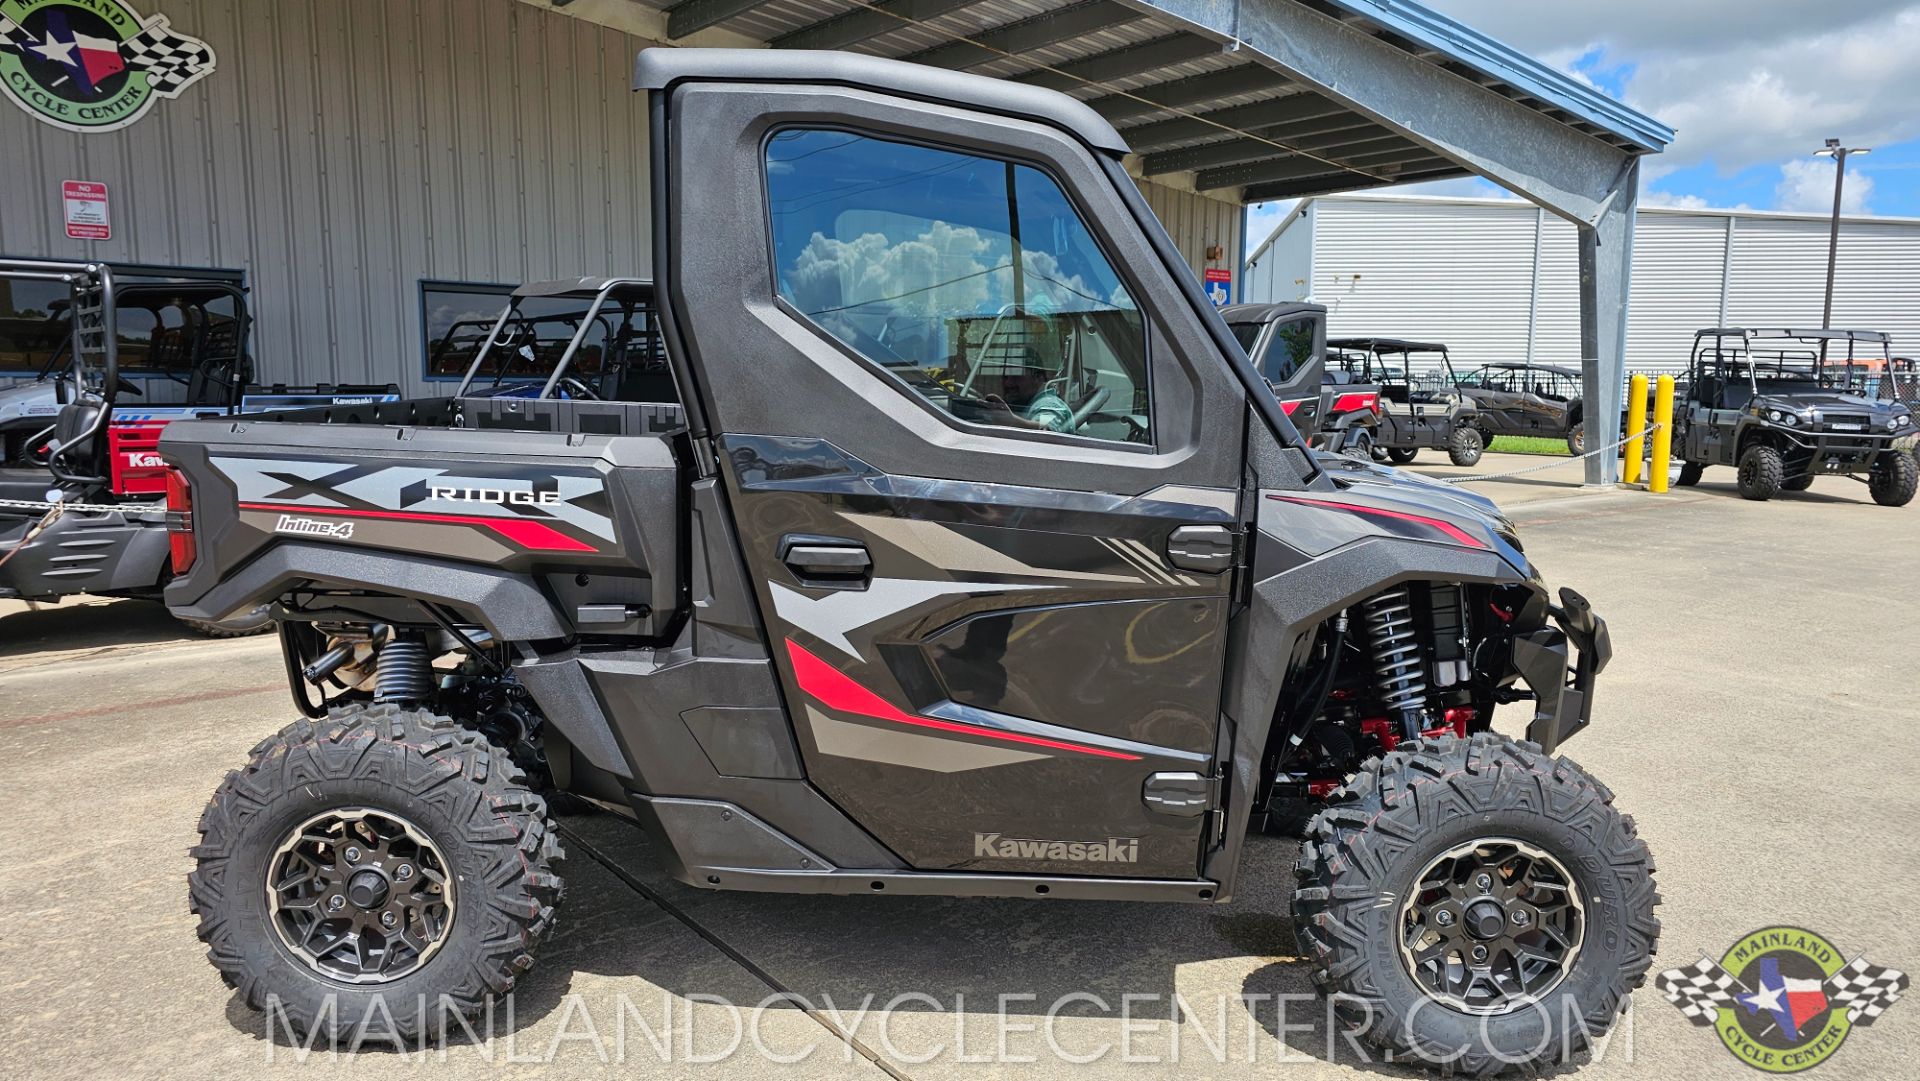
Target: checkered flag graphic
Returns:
[[1865, 989], [172, 61], [13, 35], [1701, 989]]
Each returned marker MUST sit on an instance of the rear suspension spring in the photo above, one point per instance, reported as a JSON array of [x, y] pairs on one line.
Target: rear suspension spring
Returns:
[[405, 673]]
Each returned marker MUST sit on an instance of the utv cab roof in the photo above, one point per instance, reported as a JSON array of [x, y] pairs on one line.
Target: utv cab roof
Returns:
[[1266, 313], [1788, 332], [1527, 365], [660, 67], [1386, 345]]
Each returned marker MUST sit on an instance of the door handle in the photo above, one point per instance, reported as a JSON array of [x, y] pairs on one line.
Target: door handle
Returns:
[[1205, 548], [827, 562]]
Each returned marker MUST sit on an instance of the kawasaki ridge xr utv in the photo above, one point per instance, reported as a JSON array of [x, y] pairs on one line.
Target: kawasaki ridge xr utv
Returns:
[[962, 553]]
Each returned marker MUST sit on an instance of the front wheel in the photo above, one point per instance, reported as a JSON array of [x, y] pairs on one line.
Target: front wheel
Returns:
[[1475, 905], [1762, 472], [1465, 447], [1894, 479], [371, 873]]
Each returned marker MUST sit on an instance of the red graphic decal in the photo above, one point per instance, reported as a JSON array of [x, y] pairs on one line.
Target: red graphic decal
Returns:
[[1347, 403], [837, 690], [525, 532], [1452, 531]]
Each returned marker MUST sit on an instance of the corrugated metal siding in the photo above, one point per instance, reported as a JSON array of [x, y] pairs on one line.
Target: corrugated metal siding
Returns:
[[345, 149], [1459, 274], [1197, 222], [1677, 280], [1780, 274]]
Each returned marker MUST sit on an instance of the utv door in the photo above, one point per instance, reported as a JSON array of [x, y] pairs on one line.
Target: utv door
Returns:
[[984, 465], [1292, 360]]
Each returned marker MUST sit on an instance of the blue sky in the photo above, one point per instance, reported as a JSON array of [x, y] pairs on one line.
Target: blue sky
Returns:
[[1752, 86]]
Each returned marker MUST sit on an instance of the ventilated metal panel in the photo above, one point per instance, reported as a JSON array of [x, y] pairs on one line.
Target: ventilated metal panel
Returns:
[[1197, 223], [1458, 273], [1677, 280], [1780, 274], [345, 149]]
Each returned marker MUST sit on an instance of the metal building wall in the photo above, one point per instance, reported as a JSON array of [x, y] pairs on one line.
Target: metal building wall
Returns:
[[1196, 223], [1464, 272], [345, 149], [1455, 273]]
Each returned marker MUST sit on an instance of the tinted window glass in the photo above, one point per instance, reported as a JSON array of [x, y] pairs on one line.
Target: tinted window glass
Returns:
[[1246, 334], [33, 323], [1292, 346], [972, 280]]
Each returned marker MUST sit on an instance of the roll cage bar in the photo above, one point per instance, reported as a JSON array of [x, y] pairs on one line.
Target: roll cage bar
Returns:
[[1784, 350], [95, 338], [597, 291]]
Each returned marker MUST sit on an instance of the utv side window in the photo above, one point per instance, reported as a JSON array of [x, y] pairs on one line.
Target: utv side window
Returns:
[[972, 280]]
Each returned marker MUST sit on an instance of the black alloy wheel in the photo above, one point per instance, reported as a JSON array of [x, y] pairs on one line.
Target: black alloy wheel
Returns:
[[1492, 923], [360, 895]]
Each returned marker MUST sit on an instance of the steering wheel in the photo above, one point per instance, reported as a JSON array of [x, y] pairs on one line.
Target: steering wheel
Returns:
[[577, 389], [1089, 407]]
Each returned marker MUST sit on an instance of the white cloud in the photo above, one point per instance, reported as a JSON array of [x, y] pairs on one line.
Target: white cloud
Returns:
[[1744, 83], [1667, 198], [1264, 218], [1808, 185]]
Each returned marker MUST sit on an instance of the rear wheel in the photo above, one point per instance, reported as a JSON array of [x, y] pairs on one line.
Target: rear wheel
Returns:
[[1894, 478], [1690, 474], [366, 875], [1762, 472], [1359, 445], [1465, 447], [1476, 905], [1402, 455]]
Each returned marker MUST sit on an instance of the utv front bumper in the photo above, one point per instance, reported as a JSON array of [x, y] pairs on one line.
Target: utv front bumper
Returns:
[[1560, 665]]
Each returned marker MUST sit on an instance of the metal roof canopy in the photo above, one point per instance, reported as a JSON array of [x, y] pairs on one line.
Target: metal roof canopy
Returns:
[[1255, 100]]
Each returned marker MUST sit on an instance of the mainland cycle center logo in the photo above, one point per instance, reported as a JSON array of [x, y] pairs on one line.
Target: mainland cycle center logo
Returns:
[[93, 65], [1782, 999]]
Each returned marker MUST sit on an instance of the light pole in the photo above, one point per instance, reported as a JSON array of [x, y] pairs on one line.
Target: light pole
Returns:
[[1838, 153]]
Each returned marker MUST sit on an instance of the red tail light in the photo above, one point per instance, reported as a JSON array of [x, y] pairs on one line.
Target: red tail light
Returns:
[[180, 520]]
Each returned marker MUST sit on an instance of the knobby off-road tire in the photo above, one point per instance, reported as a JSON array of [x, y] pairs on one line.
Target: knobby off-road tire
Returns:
[[1894, 479], [462, 794], [1402, 455], [1577, 439], [1383, 830], [1465, 447], [1762, 472], [1690, 474], [240, 626]]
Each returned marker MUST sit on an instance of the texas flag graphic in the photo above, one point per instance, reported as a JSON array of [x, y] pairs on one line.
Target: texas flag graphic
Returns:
[[89, 60], [1792, 1002]]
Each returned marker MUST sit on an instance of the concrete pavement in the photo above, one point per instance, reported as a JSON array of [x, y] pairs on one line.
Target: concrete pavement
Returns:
[[1760, 721]]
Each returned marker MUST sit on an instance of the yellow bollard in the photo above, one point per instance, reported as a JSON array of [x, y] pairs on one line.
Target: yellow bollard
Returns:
[[1636, 420], [1663, 438]]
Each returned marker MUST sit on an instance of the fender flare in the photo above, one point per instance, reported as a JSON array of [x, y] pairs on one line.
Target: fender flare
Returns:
[[508, 605]]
